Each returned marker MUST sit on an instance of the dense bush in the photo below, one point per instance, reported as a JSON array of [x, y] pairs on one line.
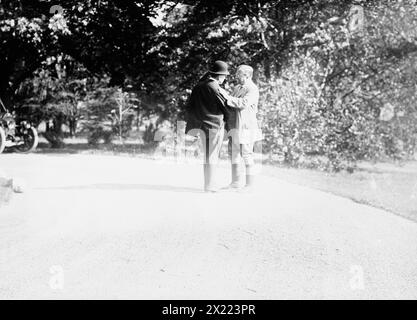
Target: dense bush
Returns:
[[346, 95], [108, 113]]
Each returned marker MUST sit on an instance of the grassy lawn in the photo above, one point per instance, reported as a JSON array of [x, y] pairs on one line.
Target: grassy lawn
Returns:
[[388, 186]]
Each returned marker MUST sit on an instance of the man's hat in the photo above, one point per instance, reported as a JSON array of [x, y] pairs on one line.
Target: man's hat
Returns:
[[219, 67]]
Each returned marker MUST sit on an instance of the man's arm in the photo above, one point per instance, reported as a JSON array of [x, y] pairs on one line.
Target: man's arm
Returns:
[[248, 100], [219, 98], [189, 105]]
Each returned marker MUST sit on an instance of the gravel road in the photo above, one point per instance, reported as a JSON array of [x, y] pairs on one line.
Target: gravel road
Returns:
[[107, 227]]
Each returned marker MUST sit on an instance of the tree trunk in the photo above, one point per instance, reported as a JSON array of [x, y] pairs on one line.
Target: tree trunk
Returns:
[[54, 135], [73, 127]]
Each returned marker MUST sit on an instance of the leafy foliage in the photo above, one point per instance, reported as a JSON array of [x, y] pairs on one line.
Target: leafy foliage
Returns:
[[326, 82], [333, 90]]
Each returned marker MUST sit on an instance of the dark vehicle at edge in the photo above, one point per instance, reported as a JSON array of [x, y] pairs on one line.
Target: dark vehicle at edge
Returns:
[[16, 134]]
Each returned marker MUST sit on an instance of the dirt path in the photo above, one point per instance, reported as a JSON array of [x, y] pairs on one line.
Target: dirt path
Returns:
[[119, 227]]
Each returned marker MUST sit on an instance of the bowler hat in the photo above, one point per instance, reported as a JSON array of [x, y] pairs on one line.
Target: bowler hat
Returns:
[[219, 67]]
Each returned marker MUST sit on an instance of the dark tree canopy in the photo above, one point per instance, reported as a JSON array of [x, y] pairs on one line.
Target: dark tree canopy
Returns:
[[336, 77], [107, 37]]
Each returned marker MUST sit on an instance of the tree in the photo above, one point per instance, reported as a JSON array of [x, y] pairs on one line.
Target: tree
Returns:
[[49, 58], [28, 35]]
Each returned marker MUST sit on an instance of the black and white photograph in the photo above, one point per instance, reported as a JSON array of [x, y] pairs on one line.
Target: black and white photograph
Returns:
[[208, 150]]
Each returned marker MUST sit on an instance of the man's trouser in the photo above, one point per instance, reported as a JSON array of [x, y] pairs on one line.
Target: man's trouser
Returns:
[[212, 142], [239, 151]]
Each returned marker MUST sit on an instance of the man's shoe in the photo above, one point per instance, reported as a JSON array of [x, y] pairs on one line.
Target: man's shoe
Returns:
[[247, 189], [250, 180], [236, 184], [211, 190], [232, 187]]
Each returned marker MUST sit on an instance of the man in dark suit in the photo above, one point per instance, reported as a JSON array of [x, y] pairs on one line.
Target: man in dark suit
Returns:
[[206, 115]]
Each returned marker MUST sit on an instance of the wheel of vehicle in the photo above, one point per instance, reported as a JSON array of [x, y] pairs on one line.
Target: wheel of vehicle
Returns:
[[30, 143], [2, 140]]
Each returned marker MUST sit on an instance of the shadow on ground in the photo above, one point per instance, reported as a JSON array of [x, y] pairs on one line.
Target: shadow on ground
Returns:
[[76, 148], [116, 186]]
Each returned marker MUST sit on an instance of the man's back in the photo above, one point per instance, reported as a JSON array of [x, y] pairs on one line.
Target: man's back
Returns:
[[206, 106]]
